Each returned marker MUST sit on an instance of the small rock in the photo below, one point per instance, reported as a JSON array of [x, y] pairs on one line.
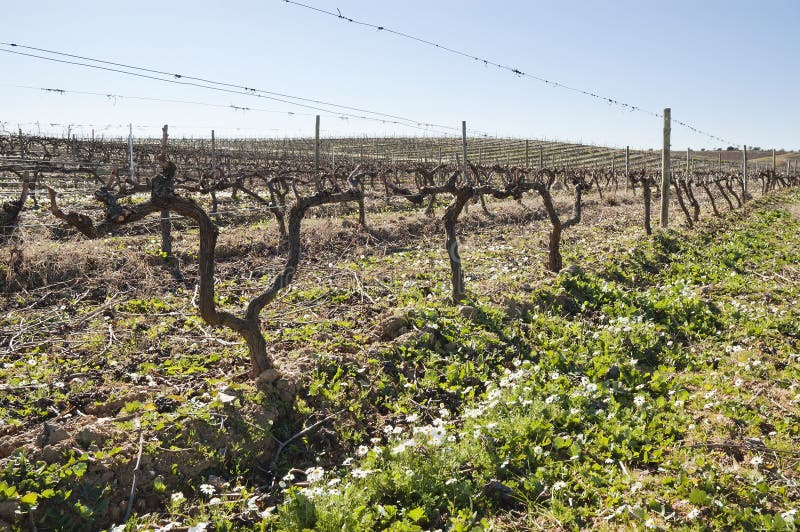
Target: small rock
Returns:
[[407, 337], [500, 494], [269, 376], [572, 269], [285, 390], [54, 434], [92, 434], [52, 453], [393, 327], [469, 312]]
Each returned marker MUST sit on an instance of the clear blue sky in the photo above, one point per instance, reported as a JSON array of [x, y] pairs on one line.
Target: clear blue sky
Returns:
[[729, 68]]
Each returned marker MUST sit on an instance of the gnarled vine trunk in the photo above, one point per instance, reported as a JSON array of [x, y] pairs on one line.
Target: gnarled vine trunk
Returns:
[[646, 194], [554, 259], [679, 196], [163, 198], [462, 196]]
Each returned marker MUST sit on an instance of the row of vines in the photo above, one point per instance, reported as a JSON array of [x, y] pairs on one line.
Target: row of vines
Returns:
[[286, 185]]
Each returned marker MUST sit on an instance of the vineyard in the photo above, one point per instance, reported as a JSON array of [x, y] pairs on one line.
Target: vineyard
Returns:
[[395, 333]]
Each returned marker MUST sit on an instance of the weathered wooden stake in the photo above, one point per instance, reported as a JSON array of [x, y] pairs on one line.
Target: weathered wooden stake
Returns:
[[627, 166], [744, 171], [527, 152], [316, 145], [213, 154], [130, 148], [464, 148], [665, 169], [166, 226]]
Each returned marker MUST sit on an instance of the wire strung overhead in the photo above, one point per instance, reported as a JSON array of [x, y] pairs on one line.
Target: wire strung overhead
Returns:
[[115, 96], [516, 71], [143, 130], [225, 87]]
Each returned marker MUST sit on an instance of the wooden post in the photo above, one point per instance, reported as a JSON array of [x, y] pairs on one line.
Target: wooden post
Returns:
[[688, 161], [627, 166], [774, 168], [164, 137], [213, 154], [541, 157], [720, 162], [21, 144], [527, 152], [166, 226], [130, 149], [214, 175], [316, 145], [744, 171], [665, 169], [464, 149]]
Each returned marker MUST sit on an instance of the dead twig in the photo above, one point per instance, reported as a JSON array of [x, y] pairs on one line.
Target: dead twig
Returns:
[[135, 476]]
